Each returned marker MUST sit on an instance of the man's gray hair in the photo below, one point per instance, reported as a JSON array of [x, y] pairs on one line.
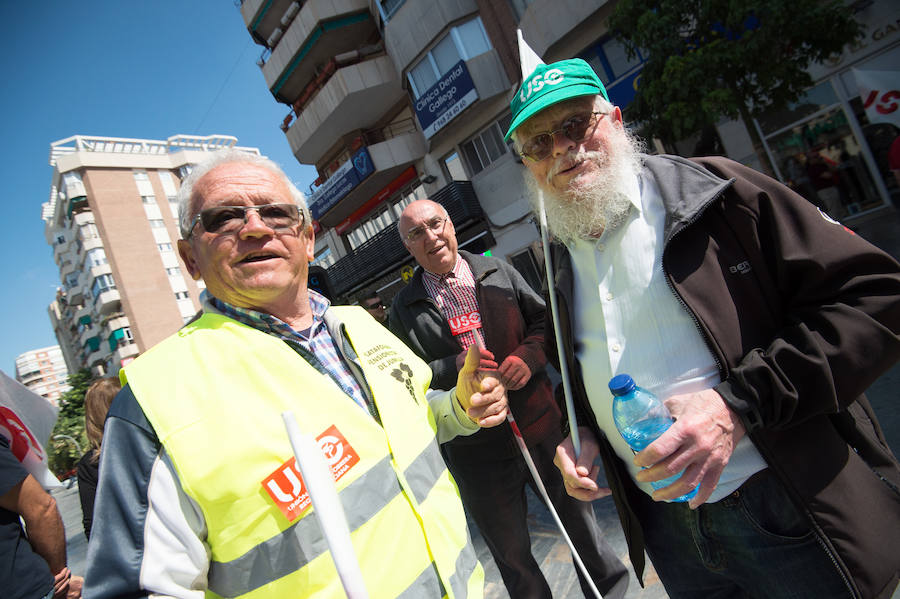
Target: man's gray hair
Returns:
[[601, 104], [231, 156]]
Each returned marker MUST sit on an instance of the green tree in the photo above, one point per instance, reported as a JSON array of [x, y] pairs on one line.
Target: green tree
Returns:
[[62, 453], [708, 59]]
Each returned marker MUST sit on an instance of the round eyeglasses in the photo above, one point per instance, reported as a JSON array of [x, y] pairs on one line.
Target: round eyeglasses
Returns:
[[576, 128], [434, 224]]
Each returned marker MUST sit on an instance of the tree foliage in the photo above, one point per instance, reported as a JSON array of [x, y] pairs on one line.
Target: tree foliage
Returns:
[[708, 59], [62, 454]]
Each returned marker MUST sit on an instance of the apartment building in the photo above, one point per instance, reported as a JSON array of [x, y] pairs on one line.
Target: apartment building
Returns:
[[44, 372], [394, 100], [112, 223]]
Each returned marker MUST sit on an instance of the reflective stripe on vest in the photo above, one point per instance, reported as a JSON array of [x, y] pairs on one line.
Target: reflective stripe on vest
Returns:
[[406, 521]]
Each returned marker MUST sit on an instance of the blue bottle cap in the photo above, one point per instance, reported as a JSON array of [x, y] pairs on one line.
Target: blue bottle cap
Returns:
[[621, 384]]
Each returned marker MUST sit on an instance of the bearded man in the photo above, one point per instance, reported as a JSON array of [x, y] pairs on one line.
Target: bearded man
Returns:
[[756, 317]]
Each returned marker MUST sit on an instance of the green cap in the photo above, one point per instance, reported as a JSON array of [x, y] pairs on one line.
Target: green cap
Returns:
[[550, 84]]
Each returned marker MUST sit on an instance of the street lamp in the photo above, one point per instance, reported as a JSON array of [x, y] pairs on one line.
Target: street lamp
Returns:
[[74, 442]]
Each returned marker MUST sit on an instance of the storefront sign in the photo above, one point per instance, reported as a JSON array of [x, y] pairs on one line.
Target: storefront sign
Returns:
[[348, 176], [446, 99]]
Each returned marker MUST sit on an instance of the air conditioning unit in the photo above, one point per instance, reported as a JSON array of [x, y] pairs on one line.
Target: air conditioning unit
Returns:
[[290, 13], [273, 39]]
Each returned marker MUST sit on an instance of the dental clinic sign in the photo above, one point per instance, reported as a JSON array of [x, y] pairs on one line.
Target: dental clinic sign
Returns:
[[349, 175], [446, 99]]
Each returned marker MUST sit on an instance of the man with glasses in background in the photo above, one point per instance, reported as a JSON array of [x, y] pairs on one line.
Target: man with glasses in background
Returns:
[[758, 319], [374, 306], [198, 488], [456, 300]]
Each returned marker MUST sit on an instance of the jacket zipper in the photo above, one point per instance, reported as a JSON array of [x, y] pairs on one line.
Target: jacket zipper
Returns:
[[820, 536]]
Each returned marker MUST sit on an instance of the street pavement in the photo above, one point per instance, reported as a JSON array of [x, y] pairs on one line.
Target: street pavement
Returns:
[[881, 228]]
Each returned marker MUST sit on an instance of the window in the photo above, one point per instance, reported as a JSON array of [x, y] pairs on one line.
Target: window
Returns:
[[71, 280], [60, 239], [164, 247], [384, 215], [179, 295], [324, 258], [148, 199], [460, 43], [173, 271], [101, 284], [610, 60], [157, 223], [485, 147], [95, 257], [453, 167], [387, 8], [141, 176]]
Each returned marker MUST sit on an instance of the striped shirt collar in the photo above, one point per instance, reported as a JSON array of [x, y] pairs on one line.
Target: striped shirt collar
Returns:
[[266, 322], [453, 273]]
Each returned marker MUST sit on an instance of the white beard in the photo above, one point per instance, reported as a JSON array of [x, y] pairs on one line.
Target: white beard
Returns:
[[599, 205]]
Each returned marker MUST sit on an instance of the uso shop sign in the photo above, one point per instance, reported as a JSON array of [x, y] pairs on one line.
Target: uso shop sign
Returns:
[[446, 99], [348, 176]]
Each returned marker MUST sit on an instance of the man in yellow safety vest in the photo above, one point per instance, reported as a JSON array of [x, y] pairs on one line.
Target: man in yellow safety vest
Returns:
[[199, 493]]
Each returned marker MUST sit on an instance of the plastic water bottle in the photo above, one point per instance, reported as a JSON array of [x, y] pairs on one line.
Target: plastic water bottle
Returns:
[[640, 418]]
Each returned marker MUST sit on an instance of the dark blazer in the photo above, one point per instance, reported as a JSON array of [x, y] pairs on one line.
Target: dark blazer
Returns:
[[513, 324]]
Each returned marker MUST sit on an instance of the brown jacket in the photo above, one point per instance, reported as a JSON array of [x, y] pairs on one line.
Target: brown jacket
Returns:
[[802, 316]]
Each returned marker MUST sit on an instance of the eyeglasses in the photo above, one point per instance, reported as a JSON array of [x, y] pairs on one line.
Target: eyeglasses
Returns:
[[228, 219], [375, 306], [576, 128], [435, 225]]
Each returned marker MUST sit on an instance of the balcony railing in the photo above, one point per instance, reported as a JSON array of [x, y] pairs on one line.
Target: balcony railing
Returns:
[[384, 251]]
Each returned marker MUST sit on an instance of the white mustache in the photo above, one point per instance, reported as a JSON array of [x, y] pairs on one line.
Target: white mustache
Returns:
[[573, 158]]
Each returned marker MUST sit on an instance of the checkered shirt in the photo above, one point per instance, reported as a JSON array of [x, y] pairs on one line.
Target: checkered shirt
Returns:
[[316, 340], [454, 294]]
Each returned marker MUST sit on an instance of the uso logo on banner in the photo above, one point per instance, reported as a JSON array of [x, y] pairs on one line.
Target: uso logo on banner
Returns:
[[465, 322]]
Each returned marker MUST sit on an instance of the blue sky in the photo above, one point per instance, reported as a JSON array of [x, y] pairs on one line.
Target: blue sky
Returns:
[[117, 69]]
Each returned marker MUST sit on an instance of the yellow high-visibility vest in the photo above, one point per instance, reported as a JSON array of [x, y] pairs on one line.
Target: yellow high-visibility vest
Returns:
[[214, 393]]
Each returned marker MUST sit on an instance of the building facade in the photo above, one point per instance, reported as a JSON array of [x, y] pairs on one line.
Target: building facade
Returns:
[[394, 100], [44, 372], [112, 223]]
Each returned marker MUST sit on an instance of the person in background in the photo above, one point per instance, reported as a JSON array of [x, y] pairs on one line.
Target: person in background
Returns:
[[376, 308], [759, 320], [33, 559], [457, 299], [97, 399]]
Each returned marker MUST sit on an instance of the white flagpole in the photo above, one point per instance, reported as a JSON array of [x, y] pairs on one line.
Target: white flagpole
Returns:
[[319, 483], [530, 61]]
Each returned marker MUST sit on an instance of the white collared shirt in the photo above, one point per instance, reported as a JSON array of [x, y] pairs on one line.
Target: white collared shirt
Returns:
[[627, 320]]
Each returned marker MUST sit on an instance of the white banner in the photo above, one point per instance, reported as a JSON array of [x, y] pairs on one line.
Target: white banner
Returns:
[[27, 419], [880, 94]]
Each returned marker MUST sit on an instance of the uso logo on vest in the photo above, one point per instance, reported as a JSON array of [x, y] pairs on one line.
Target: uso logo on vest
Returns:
[[285, 486]]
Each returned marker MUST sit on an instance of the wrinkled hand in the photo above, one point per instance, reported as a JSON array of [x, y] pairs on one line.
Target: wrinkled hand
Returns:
[[580, 476], [75, 586], [480, 393], [514, 372], [700, 442], [486, 362], [66, 586]]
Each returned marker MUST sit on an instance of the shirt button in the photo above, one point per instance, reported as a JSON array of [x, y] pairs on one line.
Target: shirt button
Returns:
[[609, 297], [616, 348], [601, 247]]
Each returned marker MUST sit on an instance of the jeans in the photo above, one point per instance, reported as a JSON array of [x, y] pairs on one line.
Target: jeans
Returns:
[[493, 493], [753, 543]]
